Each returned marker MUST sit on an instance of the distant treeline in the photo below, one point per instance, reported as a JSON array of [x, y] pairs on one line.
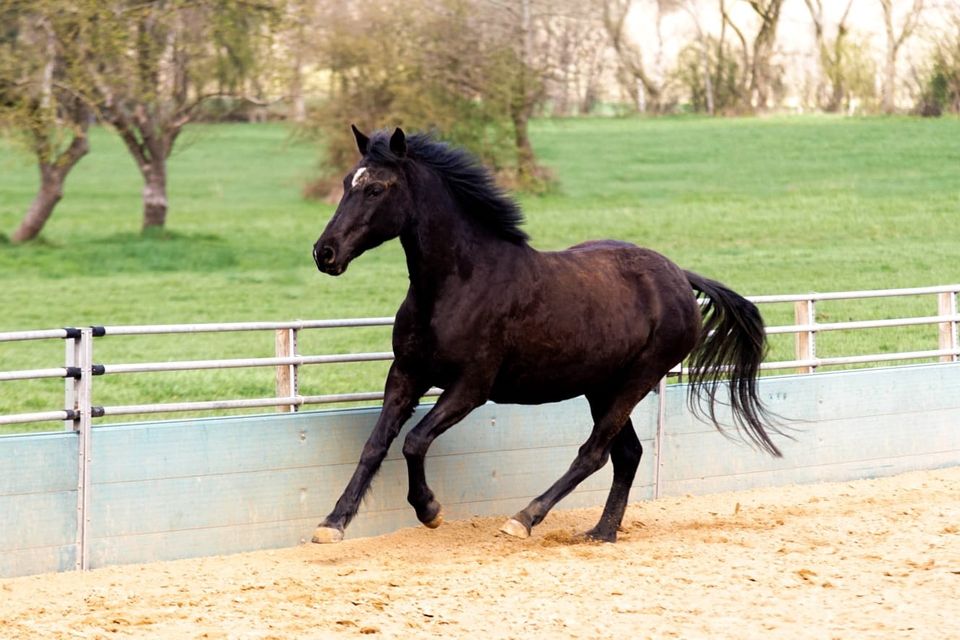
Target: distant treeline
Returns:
[[473, 71]]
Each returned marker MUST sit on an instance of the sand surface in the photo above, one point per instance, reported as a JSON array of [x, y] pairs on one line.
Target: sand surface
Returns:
[[867, 559]]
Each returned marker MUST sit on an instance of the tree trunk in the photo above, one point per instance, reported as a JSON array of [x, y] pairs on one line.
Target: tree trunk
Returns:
[[298, 103], [636, 82], [526, 160], [890, 81], [705, 66], [838, 81], [894, 42], [49, 194], [155, 194], [524, 101], [763, 49], [52, 177], [761, 71]]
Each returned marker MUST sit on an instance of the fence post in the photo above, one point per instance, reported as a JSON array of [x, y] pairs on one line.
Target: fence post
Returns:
[[71, 384], [805, 342], [947, 306], [82, 425], [288, 384], [658, 441]]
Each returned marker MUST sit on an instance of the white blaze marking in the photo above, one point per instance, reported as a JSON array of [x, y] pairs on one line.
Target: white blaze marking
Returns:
[[357, 177]]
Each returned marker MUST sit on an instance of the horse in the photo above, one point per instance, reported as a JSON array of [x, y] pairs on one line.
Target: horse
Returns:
[[489, 318]]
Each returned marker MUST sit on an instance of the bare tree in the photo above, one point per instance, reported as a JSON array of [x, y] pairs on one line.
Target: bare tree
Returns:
[[301, 26], [742, 82], [830, 55], [576, 55], [894, 43], [761, 72], [757, 81], [703, 42], [636, 78], [528, 91]]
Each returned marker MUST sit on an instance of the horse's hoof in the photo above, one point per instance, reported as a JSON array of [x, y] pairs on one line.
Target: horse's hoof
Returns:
[[597, 536], [326, 535], [436, 522], [515, 528]]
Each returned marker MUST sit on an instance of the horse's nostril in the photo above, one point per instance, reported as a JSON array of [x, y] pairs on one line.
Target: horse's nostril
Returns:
[[327, 255]]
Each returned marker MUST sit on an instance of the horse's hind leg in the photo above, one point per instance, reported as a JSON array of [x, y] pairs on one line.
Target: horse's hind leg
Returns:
[[625, 452], [610, 419]]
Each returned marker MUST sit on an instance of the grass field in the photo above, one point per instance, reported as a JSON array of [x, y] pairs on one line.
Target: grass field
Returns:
[[779, 205]]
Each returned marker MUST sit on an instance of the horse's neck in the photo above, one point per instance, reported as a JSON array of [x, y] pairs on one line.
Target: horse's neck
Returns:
[[444, 246]]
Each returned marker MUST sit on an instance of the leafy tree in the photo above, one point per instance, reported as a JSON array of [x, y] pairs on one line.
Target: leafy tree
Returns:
[[854, 78], [37, 107], [709, 71], [941, 81], [455, 68], [150, 65]]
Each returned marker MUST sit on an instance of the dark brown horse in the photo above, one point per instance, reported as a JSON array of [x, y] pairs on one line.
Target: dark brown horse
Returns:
[[487, 317]]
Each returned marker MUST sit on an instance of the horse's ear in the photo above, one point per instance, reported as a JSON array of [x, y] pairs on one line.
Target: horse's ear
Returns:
[[362, 141], [398, 143]]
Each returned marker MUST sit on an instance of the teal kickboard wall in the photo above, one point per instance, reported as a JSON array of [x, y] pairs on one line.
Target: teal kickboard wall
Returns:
[[189, 488]]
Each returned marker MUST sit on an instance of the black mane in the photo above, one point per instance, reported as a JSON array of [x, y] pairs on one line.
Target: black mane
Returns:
[[471, 184]]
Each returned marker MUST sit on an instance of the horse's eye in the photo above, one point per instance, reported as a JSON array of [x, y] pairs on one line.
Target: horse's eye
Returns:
[[372, 190]]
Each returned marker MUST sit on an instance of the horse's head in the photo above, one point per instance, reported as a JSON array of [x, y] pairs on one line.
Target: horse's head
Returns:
[[375, 205]]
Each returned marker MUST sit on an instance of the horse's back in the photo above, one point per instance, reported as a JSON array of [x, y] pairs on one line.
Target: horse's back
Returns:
[[594, 245], [643, 284], [592, 312], [651, 276]]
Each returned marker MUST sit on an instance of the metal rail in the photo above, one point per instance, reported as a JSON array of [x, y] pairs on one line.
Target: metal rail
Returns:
[[37, 374], [214, 405], [197, 365], [216, 327], [12, 336], [862, 324], [80, 369], [39, 416], [855, 295]]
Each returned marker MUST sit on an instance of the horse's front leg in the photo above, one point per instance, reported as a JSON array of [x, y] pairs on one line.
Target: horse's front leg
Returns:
[[452, 406], [401, 395]]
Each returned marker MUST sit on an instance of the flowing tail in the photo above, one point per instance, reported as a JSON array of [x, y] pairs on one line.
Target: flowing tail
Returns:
[[732, 345]]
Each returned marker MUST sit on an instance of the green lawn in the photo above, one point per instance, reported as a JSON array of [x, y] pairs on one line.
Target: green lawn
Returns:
[[778, 205]]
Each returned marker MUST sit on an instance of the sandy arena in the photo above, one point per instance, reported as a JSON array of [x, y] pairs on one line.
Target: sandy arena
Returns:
[[867, 559]]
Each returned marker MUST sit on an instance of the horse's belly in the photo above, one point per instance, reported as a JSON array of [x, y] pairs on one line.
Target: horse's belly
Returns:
[[551, 383]]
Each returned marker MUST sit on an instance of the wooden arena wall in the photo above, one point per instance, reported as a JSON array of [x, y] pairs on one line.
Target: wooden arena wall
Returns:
[[188, 488]]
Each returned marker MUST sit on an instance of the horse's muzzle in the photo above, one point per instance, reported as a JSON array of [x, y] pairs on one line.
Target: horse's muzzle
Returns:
[[326, 258]]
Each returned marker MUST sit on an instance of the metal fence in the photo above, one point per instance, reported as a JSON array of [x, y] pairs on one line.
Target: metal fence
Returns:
[[80, 368]]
